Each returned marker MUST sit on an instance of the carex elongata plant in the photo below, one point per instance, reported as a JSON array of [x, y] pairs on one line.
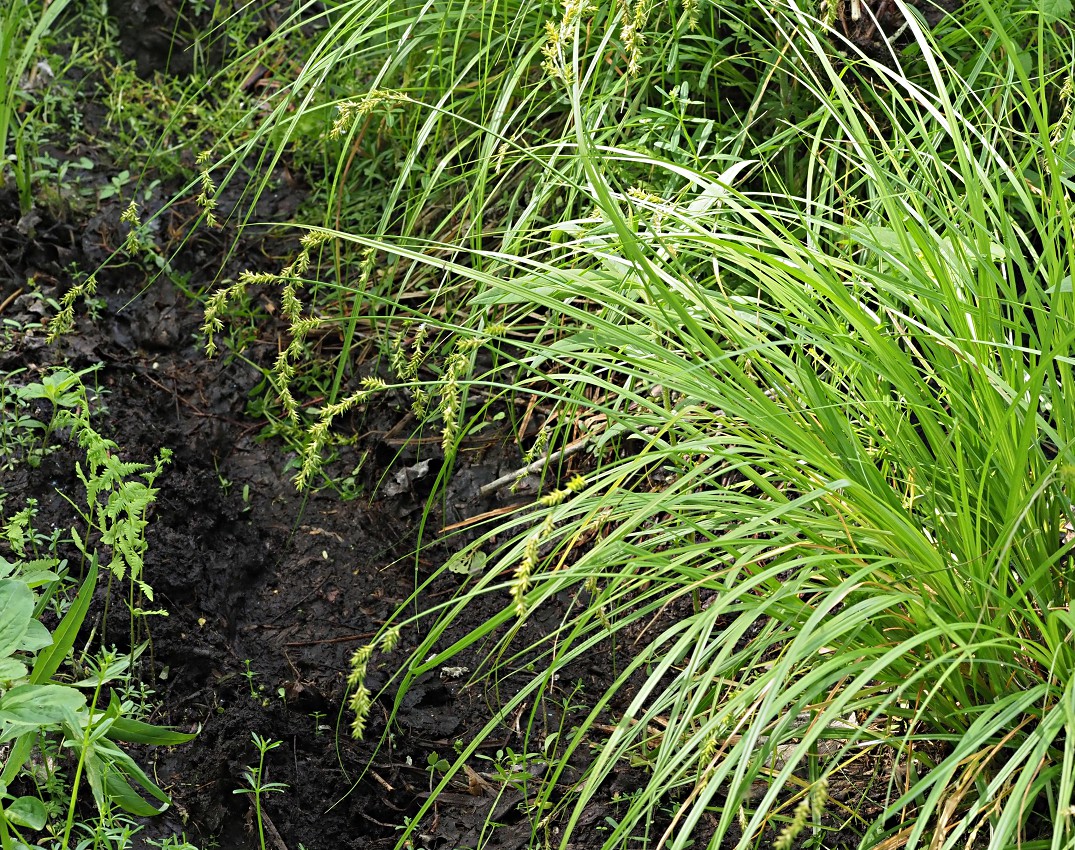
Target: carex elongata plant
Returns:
[[457, 137], [837, 425]]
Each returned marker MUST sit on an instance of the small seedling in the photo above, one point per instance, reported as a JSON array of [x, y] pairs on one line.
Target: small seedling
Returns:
[[250, 675], [256, 784], [115, 185], [222, 480], [436, 765]]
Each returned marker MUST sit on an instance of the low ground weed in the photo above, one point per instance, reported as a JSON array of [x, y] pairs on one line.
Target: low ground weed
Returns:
[[62, 718]]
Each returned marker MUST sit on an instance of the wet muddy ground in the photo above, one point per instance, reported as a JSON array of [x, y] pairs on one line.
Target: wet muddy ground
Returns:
[[268, 591]]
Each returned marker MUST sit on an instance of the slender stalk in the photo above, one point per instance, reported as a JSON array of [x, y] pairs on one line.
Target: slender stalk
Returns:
[[87, 732]]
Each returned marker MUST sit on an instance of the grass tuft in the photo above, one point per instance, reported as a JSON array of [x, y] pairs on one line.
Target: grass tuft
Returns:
[[810, 314]]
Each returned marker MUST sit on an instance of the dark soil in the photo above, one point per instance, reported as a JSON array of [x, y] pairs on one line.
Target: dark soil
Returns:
[[256, 578]]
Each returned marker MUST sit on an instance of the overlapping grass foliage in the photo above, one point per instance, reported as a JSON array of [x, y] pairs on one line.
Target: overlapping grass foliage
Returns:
[[824, 360], [457, 135]]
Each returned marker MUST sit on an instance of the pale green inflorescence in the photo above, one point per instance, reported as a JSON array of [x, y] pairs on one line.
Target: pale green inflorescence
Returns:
[[811, 806], [361, 697], [521, 580], [349, 111], [64, 321]]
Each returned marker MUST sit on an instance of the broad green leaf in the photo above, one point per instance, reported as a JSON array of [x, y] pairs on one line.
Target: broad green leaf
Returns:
[[39, 705], [38, 578], [100, 729], [10, 669], [28, 812], [16, 614], [123, 795], [37, 637], [533, 294], [95, 771], [136, 732], [1056, 10]]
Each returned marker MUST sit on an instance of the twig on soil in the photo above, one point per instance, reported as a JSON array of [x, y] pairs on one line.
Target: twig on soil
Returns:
[[10, 299], [482, 517], [341, 639], [536, 466], [384, 783], [274, 833]]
